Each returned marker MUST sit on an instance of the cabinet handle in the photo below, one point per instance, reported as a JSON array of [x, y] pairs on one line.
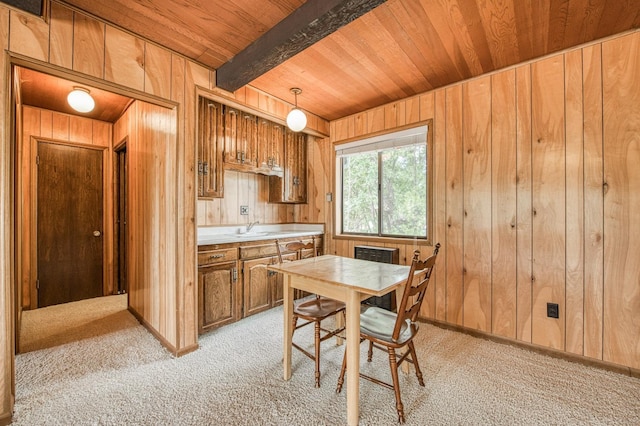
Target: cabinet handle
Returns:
[[216, 256], [234, 274], [205, 169]]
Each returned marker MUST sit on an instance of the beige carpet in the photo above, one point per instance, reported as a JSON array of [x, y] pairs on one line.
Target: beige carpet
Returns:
[[235, 378], [59, 324]]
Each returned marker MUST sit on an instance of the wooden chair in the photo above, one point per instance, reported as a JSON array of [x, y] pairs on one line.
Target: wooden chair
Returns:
[[315, 310], [389, 331]]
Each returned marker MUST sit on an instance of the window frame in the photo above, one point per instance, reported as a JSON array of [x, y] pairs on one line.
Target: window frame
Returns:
[[372, 139]]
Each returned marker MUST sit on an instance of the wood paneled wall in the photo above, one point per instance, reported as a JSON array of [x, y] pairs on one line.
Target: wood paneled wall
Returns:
[[54, 126], [152, 212], [100, 52], [536, 199]]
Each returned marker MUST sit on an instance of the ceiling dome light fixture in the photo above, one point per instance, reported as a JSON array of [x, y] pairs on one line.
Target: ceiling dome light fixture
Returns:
[[80, 99], [296, 119]]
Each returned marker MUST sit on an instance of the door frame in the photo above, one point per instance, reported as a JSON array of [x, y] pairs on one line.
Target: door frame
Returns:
[[107, 231], [120, 241]]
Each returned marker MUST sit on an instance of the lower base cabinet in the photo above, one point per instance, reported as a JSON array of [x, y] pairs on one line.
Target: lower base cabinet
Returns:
[[262, 288], [233, 281]]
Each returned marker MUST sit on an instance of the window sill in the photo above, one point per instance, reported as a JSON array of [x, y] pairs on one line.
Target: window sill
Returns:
[[384, 240]]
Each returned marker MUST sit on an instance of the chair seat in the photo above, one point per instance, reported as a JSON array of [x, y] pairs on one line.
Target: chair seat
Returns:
[[315, 308], [379, 323]]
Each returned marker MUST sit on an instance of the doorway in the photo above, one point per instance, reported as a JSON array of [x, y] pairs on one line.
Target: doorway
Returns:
[[70, 221]]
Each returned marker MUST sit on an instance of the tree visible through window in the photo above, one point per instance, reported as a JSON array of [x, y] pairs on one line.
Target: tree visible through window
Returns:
[[384, 186]]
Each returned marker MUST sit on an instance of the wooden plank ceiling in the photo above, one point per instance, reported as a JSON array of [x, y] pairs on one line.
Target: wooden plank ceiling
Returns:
[[400, 48]]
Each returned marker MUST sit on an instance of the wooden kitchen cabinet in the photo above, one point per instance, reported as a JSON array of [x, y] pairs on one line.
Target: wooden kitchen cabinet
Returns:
[[271, 146], [241, 140], [262, 288], [219, 291], [292, 186], [210, 142]]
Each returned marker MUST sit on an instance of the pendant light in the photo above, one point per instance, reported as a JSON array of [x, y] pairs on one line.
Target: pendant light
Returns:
[[80, 99], [296, 119]]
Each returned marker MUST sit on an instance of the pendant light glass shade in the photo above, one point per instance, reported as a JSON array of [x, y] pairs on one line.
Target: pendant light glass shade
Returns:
[[296, 119], [80, 100]]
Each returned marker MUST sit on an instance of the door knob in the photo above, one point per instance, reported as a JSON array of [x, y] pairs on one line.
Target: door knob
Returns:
[[96, 233]]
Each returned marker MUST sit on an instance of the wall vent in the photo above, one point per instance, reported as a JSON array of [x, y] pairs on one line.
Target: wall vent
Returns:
[[383, 255]]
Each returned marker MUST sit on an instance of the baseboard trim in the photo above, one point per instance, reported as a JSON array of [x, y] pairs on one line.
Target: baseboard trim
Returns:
[[592, 362], [164, 342]]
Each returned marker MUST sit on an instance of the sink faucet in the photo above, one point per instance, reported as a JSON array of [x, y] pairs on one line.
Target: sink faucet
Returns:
[[252, 224]]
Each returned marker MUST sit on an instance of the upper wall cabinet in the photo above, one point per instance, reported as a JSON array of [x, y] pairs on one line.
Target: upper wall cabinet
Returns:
[[292, 186], [210, 148], [231, 138]]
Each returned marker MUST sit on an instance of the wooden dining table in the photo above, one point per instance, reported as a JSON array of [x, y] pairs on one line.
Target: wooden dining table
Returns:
[[350, 281]]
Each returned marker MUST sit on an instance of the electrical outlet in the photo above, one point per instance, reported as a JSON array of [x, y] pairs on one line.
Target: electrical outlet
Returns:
[[244, 210], [553, 311]]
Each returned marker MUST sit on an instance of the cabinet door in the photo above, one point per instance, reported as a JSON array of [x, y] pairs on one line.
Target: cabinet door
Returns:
[[210, 148], [257, 294], [219, 295], [270, 146], [247, 145], [232, 153], [292, 187]]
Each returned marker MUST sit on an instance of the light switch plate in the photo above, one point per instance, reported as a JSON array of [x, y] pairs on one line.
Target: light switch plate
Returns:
[[244, 210]]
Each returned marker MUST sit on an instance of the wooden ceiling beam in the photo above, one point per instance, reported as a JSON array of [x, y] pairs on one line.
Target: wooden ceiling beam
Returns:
[[308, 24]]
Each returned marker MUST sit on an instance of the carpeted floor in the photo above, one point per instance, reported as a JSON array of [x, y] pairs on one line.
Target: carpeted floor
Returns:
[[235, 378]]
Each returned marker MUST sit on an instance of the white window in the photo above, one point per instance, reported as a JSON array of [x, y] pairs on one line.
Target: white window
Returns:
[[382, 185]]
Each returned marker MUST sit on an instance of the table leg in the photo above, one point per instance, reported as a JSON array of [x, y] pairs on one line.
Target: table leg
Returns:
[[288, 325], [353, 357]]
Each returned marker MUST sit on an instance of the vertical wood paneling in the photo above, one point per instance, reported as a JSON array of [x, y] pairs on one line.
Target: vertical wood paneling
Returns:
[[454, 204], [575, 203], [29, 35], [7, 295], [124, 59], [593, 202], [375, 120], [88, 45], [476, 146], [621, 93], [158, 65], [61, 31], [503, 195], [523, 204], [548, 178], [440, 205]]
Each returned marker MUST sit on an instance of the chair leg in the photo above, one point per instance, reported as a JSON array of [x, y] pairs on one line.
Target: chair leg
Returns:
[[370, 352], [415, 363], [342, 371], [295, 322], [317, 358], [393, 363]]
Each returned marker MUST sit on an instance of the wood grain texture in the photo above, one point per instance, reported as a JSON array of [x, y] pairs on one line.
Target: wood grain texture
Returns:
[[454, 248], [548, 174], [124, 58], [504, 204], [440, 205], [621, 93], [7, 283], [574, 178], [593, 202], [476, 147], [524, 225], [61, 31], [28, 35], [88, 45]]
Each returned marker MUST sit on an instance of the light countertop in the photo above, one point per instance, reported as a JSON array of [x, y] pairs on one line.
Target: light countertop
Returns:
[[238, 233]]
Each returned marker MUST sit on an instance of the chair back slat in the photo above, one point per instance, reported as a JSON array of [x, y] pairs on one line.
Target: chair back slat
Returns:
[[415, 289], [299, 247]]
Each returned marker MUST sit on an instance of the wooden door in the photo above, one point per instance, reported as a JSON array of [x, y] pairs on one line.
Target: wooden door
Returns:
[[120, 209], [69, 216]]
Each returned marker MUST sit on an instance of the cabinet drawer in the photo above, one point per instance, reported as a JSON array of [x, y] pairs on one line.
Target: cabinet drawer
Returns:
[[215, 256]]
